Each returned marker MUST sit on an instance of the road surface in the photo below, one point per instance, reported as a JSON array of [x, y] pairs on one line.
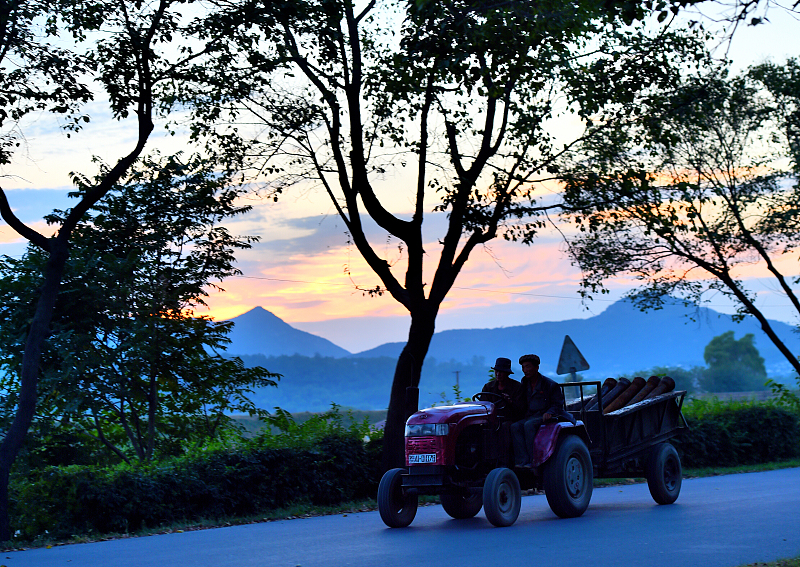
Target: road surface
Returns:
[[721, 521]]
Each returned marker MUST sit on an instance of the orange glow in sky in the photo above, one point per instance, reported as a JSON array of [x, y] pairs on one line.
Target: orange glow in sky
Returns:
[[314, 288]]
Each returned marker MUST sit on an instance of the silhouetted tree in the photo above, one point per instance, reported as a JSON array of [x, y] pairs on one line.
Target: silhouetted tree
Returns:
[[128, 362], [451, 97], [733, 366], [138, 53], [701, 187]]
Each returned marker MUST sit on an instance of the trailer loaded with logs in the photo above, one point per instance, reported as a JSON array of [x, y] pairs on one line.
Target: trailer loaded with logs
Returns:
[[620, 429]]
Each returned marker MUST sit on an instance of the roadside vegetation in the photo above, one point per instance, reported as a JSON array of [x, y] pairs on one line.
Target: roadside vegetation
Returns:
[[795, 562], [324, 464], [306, 510]]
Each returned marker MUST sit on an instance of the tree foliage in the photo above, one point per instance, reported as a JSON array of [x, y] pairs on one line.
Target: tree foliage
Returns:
[[138, 53], [733, 366], [35, 74], [129, 363], [696, 192]]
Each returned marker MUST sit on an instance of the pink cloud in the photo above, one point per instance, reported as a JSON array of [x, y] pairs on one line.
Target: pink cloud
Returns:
[[503, 284]]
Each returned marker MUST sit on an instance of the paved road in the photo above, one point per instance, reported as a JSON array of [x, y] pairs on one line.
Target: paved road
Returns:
[[717, 522]]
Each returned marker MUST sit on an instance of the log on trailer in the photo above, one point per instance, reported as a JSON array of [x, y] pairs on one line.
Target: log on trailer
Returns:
[[666, 385], [652, 382], [622, 385], [592, 403], [636, 385]]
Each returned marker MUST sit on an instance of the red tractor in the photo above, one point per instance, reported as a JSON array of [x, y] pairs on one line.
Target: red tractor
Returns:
[[460, 452]]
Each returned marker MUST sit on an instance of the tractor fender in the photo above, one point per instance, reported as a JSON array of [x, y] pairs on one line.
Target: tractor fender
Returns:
[[544, 444]]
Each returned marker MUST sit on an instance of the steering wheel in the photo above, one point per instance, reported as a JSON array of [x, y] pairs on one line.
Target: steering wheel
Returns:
[[488, 397]]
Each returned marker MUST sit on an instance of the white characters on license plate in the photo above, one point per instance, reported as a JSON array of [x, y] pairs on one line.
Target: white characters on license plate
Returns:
[[421, 459]]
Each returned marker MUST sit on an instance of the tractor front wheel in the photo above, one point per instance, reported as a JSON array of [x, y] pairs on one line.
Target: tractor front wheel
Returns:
[[396, 507], [502, 497]]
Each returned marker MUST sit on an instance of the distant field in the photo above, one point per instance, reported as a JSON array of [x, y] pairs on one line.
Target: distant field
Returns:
[[253, 425], [738, 396]]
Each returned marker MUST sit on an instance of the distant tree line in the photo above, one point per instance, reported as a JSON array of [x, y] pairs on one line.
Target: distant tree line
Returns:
[[313, 383], [731, 366]]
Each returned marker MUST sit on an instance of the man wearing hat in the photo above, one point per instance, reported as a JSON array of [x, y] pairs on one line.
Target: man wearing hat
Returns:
[[544, 400], [505, 386], [511, 391]]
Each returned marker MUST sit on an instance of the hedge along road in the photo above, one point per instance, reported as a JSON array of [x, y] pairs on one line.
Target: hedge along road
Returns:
[[717, 522]]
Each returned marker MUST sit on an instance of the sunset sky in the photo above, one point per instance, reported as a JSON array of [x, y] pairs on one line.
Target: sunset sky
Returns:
[[297, 271]]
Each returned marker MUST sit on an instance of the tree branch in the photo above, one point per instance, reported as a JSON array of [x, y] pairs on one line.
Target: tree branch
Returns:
[[19, 227]]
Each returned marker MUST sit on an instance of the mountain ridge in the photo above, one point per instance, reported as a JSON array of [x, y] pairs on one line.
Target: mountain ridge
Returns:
[[259, 331], [620, 339]]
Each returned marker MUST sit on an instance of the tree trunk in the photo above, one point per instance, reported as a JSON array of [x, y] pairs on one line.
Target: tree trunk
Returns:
[[29, 375], [152, 403], [406, 375]]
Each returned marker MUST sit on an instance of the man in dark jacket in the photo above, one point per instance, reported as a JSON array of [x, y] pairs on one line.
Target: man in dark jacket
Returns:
[[544, 401], [508, 388], [510, 408]]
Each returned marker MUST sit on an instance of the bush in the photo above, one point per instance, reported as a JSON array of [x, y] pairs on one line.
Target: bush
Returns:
[[318, 462], [64, 501], [737, 433], [45, 502]]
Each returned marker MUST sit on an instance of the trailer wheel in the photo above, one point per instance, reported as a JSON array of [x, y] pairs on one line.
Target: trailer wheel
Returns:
[[501, 497], [461, 506], [663, 473], [568, 478], [396, 507]]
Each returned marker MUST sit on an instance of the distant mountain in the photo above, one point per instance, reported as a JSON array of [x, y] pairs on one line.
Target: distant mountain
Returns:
[[620, 339], [260, 332]]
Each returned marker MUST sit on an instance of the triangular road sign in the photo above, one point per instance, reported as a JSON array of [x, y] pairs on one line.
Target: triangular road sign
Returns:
[[571, 359]]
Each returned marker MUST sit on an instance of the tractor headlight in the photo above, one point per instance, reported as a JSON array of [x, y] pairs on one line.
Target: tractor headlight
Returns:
[[427, 429]]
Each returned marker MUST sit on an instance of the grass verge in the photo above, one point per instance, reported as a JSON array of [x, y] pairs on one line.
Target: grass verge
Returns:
[[707, 471], [714, 471]]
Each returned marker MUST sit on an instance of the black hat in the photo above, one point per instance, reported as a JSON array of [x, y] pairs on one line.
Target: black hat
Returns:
[[503, 365]]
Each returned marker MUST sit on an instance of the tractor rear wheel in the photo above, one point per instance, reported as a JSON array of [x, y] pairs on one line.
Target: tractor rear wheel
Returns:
[[568, 478], [663, 473]]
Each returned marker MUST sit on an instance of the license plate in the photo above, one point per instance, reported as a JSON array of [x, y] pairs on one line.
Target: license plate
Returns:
[[421, 459]]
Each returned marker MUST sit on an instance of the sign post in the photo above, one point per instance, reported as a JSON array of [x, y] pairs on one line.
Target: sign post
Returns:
[[571, 360]]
